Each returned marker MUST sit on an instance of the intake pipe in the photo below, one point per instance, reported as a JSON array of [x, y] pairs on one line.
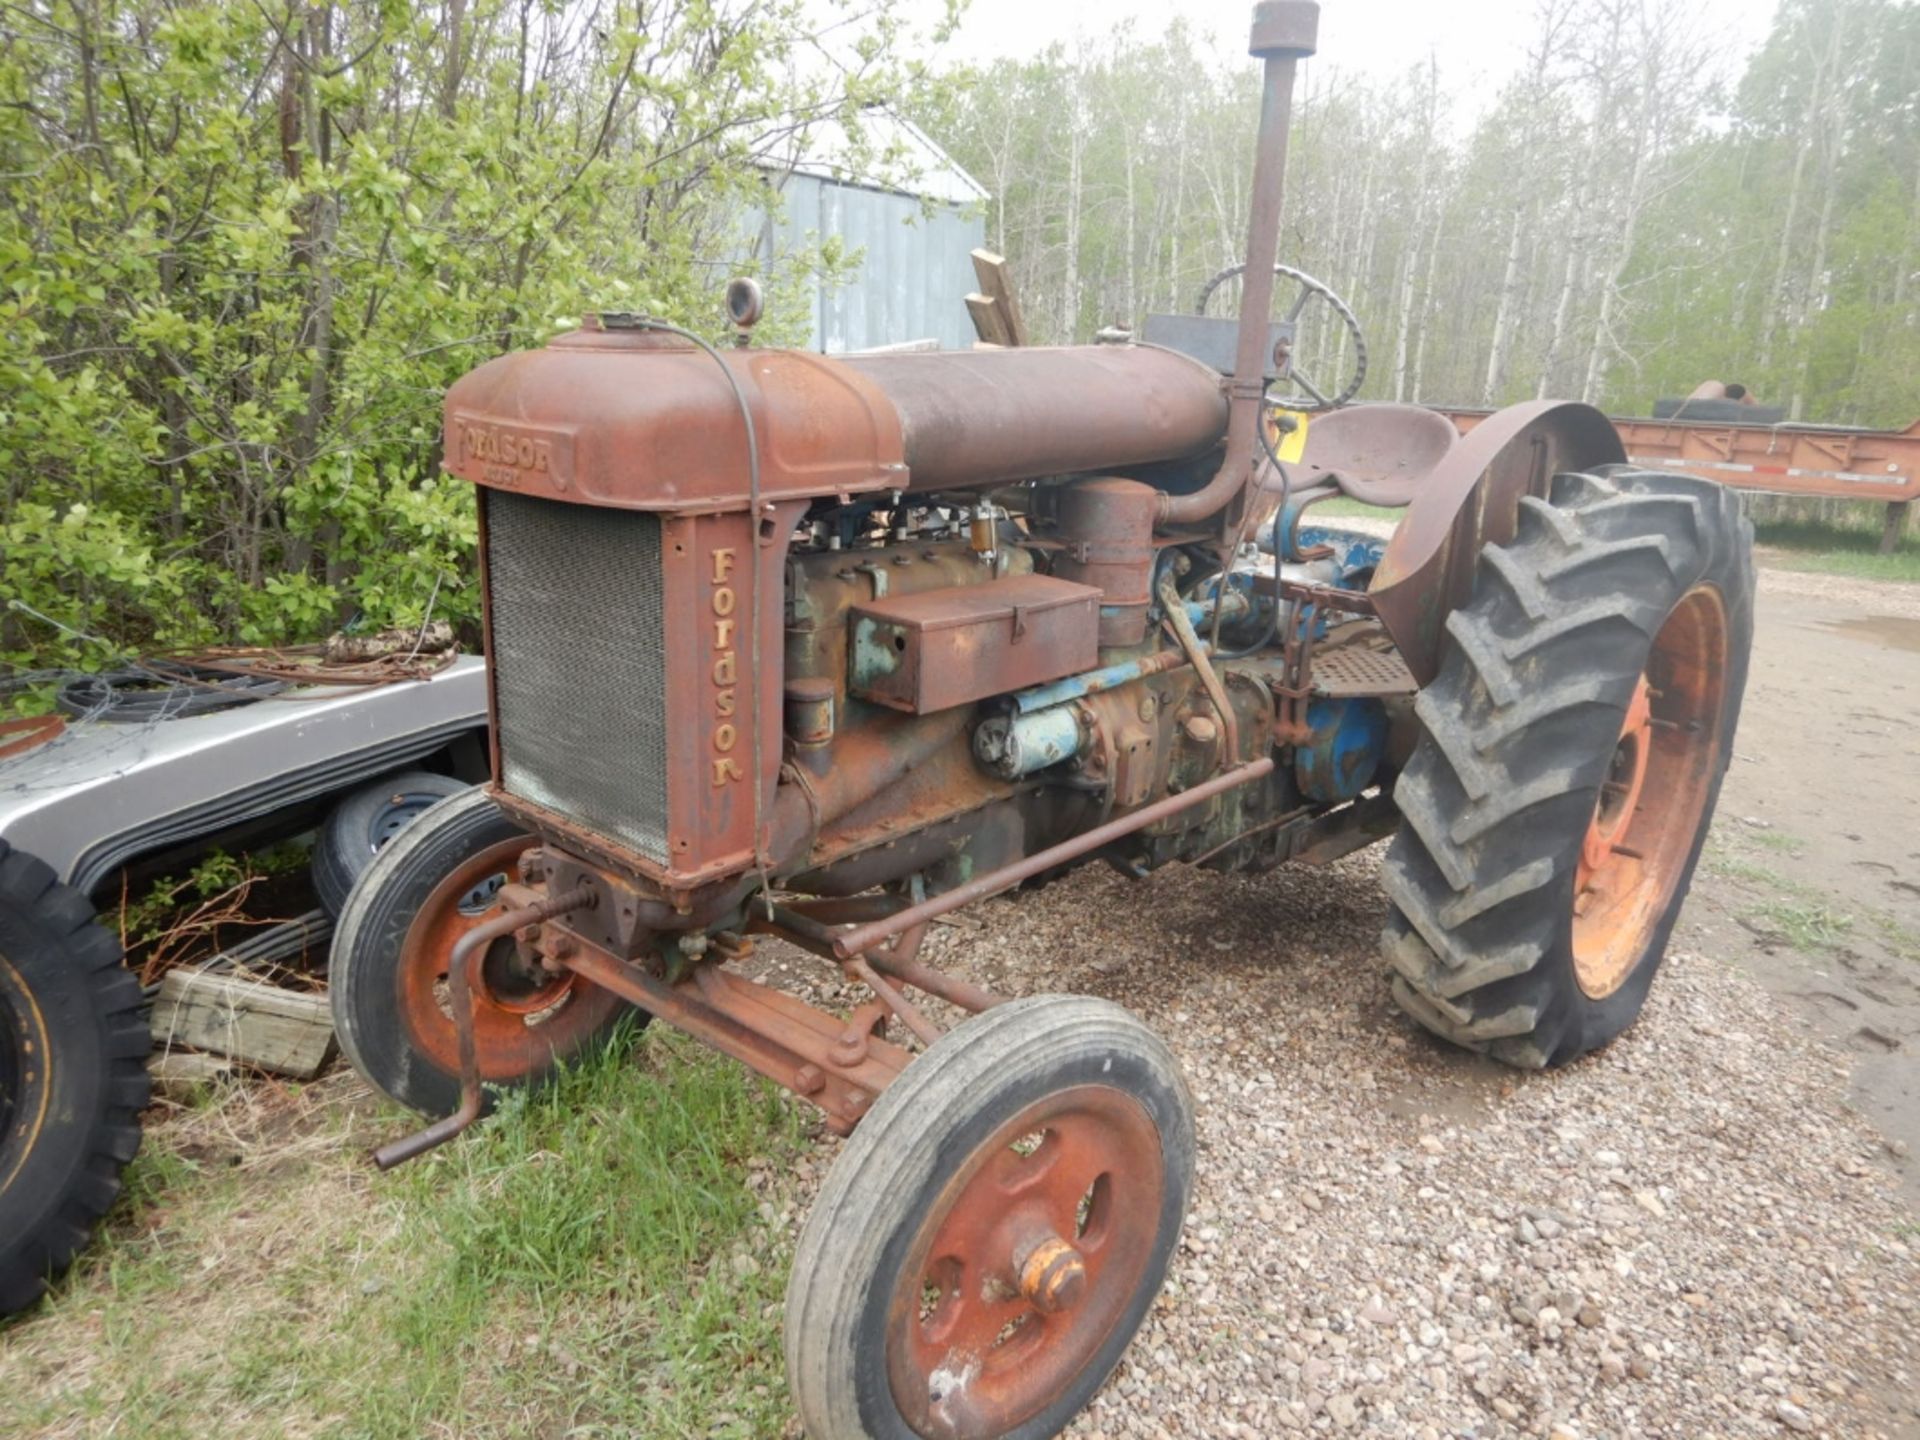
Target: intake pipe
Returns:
[[1284, 33]]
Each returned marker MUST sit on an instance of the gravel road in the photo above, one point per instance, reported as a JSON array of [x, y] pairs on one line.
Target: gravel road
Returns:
[[1693, 1235], [1689, 1235]]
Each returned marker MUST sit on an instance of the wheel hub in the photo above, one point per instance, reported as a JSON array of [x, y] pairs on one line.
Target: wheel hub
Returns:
[[1053, 1275], [1619, 798], [522, 1014], [1025, 1264], [1653, 802]]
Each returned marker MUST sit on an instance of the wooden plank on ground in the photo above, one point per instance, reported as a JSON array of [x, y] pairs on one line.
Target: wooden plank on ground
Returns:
[[182, 1074], [988, 322], [996, 283], [283, 1031]]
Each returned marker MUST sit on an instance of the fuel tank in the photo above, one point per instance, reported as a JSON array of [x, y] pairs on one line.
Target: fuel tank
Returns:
[[987, 417], [639, 420]]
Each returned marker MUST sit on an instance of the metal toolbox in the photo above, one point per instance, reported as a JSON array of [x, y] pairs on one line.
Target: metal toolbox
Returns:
[[954, 646]]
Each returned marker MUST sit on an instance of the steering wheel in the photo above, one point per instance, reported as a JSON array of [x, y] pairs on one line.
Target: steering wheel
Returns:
[[1310, 290]]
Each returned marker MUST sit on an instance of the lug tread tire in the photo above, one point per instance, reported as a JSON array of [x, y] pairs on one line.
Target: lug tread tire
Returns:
[[896, 1153], [98, 1040], [1517, 731]]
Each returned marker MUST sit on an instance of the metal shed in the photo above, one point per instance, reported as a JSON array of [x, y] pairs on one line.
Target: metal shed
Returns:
[[914, 235]]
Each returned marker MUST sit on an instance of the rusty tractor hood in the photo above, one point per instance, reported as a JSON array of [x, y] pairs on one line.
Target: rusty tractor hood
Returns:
[[639, 420]]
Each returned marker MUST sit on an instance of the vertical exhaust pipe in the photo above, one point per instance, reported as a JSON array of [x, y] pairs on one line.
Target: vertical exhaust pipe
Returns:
[[1284, 33]]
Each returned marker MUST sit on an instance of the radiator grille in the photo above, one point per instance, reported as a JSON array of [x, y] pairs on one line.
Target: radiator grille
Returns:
[[579, 664]]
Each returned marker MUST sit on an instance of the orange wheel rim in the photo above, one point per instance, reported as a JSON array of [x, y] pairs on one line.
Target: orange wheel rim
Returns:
[[1025, 1264], [1654, 798], [522, 1016]]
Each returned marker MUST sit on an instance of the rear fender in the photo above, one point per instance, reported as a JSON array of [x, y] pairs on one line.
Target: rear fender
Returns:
[[1472, 499]]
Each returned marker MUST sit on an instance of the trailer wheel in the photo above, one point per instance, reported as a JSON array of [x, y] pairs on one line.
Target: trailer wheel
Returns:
[[73, 1075], [995, 1231], [387, 973], [361, 825], [1571, 753]]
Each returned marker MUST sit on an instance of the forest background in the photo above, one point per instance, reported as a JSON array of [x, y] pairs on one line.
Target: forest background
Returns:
[[245, 245]]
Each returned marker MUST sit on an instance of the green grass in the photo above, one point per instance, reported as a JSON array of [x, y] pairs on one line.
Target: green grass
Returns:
[[1799, 913], [1791, 909], [1898, 936], [1791, 846], [1340, 507], [606, 1257], [1846, 546], [1807, 925]]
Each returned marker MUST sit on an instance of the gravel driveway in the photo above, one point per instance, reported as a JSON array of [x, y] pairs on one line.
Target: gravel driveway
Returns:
[[1687, 1235]]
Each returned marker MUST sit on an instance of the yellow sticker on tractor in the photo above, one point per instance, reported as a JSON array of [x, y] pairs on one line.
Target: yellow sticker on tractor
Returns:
[[1290, 441]]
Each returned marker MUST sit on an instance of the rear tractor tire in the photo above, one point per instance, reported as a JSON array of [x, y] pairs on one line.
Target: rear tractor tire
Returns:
[[1570, 756]]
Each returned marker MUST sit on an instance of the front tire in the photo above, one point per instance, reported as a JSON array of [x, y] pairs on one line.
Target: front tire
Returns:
[[993, 1235], [1570, 758], [435, 880], [73, 1076]]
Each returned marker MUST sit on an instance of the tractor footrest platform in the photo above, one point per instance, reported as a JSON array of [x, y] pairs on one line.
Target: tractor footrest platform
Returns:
[[1343, 672]]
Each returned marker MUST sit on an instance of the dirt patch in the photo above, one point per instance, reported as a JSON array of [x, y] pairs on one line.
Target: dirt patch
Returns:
[[1812, 883]]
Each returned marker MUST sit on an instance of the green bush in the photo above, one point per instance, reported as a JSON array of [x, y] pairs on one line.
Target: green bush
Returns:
[[244, 249]]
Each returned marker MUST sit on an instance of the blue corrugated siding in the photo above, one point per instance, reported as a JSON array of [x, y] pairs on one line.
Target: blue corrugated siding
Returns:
[[914, 275]]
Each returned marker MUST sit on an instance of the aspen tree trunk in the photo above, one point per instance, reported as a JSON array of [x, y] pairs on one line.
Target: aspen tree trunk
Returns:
[[1356, 290], [1562, 310], [1402, 348], [1901, 272], [1322, 337], [1000, 182], [1503, 318], [1623, 257], [1070, 286], [1813, 295], [1132, 310], [1416, 388], [1174, 306], [1410, 256], [1776, 297]]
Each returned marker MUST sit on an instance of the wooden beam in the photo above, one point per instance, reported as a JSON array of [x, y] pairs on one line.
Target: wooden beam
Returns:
[[988, 321], [181, 1075], [285, 1031], [996, 283]]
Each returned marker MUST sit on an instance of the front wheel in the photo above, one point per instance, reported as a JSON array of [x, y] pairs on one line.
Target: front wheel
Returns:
[[991, 1238], [387, 975], [1571, 753]]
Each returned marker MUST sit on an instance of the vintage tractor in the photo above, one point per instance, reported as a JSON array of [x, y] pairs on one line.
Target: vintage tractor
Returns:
[[827, 648]]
